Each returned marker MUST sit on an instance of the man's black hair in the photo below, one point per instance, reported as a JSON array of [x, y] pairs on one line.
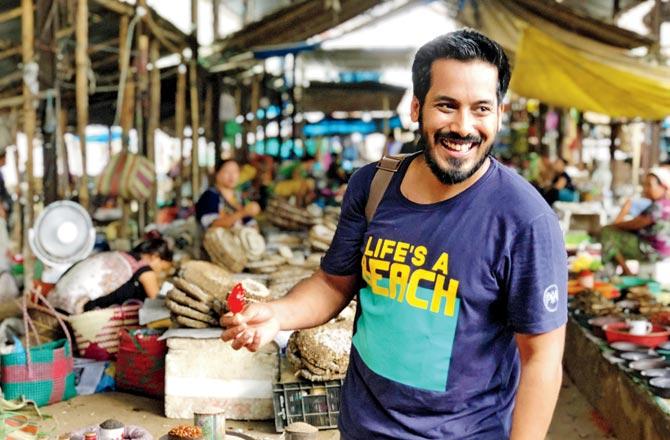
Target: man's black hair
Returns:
[[154, 246], [462, 45]]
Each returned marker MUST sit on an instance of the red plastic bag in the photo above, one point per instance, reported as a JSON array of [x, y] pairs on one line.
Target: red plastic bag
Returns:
[[140, 362]]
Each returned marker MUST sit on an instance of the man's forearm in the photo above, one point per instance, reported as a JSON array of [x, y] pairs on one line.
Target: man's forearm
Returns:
[[536, 399], [314, 301]]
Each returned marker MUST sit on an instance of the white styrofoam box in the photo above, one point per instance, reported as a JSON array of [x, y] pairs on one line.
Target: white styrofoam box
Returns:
[[207, 375]]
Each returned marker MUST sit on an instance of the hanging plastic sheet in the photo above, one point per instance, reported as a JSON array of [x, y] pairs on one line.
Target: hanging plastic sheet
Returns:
[[554, 73]]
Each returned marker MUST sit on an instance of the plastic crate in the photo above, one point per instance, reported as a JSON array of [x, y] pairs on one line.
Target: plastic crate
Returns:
[[316, 403]]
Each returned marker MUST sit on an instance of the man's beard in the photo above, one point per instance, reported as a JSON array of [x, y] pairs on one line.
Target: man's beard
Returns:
[[456, 173]]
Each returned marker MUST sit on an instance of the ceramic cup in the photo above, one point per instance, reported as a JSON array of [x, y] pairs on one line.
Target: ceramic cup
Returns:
[[111, 434], [639, 327]]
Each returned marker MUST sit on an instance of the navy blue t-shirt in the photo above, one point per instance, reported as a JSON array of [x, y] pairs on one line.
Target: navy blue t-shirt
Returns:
[[445, 287]]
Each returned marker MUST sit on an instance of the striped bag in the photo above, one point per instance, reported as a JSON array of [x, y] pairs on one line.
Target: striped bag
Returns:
[[110, 180], [127, 175], [97, 332], [139, 176], [44, 373]]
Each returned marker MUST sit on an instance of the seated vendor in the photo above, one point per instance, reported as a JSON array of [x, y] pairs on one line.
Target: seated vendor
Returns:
[[146, 260], [221, 204], [647, 236], [298, 181], [561, 187]]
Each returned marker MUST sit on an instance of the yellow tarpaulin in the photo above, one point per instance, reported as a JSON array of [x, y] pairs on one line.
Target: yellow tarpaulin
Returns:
[[556, 74]]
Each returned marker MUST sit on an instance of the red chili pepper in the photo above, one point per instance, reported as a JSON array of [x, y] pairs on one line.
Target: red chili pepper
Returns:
[[236, 298]]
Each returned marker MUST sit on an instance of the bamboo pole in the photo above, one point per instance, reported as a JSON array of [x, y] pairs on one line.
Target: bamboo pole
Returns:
[[29, 122], [126, 117], [209, 105], [154, 121], [81, 58], [215, 19], [64, 189], [180, 110], [195, 126]]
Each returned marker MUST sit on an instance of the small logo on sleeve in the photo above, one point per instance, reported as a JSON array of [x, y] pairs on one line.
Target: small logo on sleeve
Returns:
[[550, 298]]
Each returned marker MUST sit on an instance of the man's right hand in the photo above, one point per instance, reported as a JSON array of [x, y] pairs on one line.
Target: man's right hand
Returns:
[[252, 328]]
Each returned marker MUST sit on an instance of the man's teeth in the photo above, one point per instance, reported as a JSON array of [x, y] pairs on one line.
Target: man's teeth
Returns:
[[460, 147]]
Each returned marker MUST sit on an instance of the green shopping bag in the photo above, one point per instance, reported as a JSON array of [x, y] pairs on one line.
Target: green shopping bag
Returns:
[[43, 374]]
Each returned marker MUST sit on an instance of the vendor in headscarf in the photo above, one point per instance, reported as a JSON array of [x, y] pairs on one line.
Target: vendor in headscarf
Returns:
[[221, 204], [647, 236]]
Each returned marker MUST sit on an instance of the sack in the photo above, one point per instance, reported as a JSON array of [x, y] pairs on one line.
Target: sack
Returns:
[[127, 175], [43, 374], [140, 363], [109, 182], [97, 331], [139, 176]]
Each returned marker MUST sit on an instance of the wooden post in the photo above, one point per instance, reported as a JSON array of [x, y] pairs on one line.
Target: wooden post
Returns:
[[154, 121], [64, 189], [81, 59], [126, 117], [215, 19], [29, 121], [46, 49], [195, 126], [180, 110], [216, 122]]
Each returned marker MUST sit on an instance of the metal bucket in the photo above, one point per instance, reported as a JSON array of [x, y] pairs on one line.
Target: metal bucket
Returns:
[[213, 425]]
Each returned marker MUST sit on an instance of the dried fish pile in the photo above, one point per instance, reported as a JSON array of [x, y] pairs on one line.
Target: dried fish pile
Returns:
[[320, 236], [321, 353], [234, 248], [286, 216]]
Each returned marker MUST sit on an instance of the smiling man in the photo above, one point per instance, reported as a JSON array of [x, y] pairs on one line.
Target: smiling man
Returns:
[[460, 275]]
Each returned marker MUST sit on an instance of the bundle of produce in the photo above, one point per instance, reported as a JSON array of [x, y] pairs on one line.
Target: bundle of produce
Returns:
[[250, 291], [225, 248], [321, 353], [252, 241], [320, 236], [286, 216], [594, 304], [267, 264], [331, 214], [190, 306], [285, 278], [292, 240], [208, 276]]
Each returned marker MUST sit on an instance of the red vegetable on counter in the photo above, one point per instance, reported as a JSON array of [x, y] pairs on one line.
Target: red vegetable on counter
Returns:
[[236, 298]]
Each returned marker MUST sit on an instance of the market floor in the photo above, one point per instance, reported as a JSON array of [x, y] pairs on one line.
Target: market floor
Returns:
[[574, 417]]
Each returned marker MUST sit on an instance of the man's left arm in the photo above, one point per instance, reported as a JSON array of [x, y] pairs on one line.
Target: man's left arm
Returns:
[[540, 383]]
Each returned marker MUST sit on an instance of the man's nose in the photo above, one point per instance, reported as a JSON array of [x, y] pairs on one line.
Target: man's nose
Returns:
[[463, 123]]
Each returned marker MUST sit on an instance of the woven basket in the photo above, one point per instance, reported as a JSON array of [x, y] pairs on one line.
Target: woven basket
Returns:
[[97, 332], [46, 324]]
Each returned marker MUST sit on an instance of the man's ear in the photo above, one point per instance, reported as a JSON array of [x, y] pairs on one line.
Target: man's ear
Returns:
[[415, 110]]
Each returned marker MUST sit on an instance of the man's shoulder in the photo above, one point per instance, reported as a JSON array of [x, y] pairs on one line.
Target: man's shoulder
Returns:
[[512, 195]]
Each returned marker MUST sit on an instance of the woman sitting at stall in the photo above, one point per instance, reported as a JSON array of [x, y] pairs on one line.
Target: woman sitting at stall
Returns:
[[221, 204], [647, 236], [146, 261]]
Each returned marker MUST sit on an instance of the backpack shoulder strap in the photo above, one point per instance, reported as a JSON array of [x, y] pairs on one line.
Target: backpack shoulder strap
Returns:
[[386, 168]]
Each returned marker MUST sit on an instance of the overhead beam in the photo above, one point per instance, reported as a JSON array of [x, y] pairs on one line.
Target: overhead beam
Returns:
[[12, 51], [11, 14]]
